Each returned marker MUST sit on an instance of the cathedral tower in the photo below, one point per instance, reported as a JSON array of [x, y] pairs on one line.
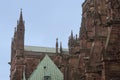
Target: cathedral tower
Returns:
[[17, 50]]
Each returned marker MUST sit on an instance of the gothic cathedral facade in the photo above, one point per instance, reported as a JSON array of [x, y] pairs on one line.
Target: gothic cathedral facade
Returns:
[[92, 55]]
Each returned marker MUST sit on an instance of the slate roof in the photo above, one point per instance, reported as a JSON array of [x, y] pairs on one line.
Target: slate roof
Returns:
[[46, 68], [43, 49]]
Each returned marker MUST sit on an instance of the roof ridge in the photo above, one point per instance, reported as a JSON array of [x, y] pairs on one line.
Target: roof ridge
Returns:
[[43, 49], [42, 46], [38, 46]]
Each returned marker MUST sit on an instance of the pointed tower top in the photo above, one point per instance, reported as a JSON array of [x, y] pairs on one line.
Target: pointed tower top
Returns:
[[56, 45], [56, 39], [60, 47], [21, 17], [15, 30], [20, 22], [56, 42], [71, 34]]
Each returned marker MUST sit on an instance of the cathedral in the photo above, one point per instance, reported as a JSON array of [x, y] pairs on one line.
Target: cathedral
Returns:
[[94, 54]]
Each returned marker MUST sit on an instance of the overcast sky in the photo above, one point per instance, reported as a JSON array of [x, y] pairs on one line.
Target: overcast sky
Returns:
[[45, 20]]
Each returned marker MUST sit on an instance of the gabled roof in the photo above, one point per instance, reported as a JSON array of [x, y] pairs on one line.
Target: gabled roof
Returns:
[[46, 68], [43, 49]]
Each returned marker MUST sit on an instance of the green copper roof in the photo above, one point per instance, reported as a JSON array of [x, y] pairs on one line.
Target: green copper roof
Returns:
[[46, 68], [43, 49]]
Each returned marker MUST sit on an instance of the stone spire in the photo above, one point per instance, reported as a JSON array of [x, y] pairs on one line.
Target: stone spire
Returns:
[[56, 45], [60, 47], [21, 18], [72, 34], [20, 32]]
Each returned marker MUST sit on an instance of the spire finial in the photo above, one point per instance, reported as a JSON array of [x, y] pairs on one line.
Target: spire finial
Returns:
[[56, 45], [56, 39], [20, 22], [71, 34], [21, 9], [60, 47], [21, 17]]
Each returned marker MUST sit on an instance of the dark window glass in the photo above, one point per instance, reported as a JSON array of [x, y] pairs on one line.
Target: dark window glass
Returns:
[[47, 78]]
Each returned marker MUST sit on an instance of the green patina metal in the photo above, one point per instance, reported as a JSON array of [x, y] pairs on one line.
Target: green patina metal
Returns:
[[46, 69]]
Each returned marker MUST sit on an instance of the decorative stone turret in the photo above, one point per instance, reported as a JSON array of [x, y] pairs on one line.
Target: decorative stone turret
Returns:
[[56, 45], [17, 50]]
